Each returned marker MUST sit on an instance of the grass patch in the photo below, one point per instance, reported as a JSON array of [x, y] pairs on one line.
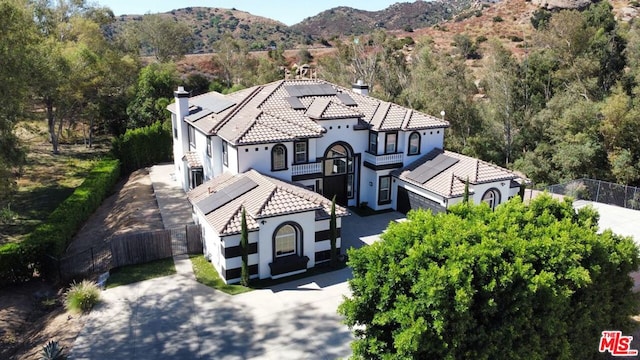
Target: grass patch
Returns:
[[133, 273], [206, 274], [367, 211], [46, 181]]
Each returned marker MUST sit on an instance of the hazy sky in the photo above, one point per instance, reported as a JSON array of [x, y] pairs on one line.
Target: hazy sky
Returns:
[[288, 11]]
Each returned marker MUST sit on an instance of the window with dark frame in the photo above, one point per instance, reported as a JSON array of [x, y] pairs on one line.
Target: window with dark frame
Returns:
[[384, 190], [391, 143], [414, 143], [208, 146], [301, 153], [373, 143], [278, 157], [225, 153], [286, 241], [175, 125], [192, 136]]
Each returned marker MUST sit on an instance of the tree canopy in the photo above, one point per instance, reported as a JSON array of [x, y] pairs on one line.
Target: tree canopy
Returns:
[[532, 281]]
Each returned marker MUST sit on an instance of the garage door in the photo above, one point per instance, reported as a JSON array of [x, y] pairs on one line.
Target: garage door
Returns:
[[408, 200]]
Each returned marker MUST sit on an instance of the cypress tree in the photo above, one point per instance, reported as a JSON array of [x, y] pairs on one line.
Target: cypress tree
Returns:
[[244, 245], [333, 233]]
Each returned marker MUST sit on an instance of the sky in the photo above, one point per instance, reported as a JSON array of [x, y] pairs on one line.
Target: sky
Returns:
[[287, 11]]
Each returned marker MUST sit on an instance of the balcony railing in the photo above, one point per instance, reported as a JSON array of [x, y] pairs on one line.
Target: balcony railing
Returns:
[[385, 159], [305, 169]]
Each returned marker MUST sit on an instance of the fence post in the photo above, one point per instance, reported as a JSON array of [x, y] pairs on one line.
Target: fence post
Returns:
[[598, 192]]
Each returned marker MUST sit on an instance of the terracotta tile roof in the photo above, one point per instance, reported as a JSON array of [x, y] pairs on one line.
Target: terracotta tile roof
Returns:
[[449, 181], [271, 197], [265, 114], [192, 159]]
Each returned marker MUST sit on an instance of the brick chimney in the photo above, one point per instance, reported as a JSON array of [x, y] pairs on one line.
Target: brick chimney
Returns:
[[360, 88]]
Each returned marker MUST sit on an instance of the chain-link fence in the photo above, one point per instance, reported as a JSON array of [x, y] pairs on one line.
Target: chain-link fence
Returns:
[[600, 191]]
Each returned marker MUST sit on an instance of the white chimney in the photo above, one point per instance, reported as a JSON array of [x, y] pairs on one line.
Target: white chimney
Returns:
[[360, 88], [181, 144]]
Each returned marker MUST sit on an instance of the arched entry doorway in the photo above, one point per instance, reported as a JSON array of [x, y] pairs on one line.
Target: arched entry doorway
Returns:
[[339, 172]]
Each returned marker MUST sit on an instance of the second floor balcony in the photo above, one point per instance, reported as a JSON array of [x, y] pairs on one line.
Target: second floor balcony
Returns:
[[306, 168], [386, 160]]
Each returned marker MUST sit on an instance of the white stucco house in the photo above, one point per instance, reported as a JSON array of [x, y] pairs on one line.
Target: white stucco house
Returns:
[[311, 140]]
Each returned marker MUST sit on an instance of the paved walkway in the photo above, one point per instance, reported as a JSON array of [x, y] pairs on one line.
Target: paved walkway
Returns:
[[176, 317], [175, 210]]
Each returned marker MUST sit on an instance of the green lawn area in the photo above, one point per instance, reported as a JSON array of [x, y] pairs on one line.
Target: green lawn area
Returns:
[[206, 274], [134, 273]]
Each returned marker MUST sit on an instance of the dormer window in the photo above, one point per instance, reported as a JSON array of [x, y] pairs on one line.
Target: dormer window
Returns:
[[414, 143]]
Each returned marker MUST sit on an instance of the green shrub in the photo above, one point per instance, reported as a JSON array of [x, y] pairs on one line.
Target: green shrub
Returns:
[[143, 146], [82, 297], [18, 261], [497, 19]]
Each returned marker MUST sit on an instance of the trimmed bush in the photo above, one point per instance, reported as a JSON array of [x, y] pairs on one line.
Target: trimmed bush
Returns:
[[18, 261], [145, 146], [82, 297]]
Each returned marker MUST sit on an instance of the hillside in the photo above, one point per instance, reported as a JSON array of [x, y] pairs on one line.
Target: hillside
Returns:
[[209, 24], [343, 20]]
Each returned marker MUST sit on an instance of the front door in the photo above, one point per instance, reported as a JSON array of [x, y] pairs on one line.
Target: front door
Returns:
[[336, 186], [339, 170]]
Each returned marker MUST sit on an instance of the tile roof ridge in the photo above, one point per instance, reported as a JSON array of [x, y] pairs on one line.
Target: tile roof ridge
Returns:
[[237, 109], [296, 123], [452, 181], [280, 83], [407, 118], [230, 219], [383, 106], [267, 200]]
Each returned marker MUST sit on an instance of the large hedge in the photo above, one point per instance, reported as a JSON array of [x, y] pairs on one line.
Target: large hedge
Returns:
[[144, 146], [522, 282], [18, 261]]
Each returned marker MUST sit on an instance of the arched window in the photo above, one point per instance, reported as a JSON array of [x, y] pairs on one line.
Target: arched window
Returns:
[[414, 143], [492, 197], [286, 240], [278, 157]]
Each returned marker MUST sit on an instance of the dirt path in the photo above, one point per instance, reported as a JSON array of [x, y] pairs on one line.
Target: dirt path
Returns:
[[32, 314]]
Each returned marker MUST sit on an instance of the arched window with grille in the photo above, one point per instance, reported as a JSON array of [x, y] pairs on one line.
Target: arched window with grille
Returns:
[[278, 157]]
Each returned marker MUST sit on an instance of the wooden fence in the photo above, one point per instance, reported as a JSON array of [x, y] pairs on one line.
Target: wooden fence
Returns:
[[130, 249], [141, 247]]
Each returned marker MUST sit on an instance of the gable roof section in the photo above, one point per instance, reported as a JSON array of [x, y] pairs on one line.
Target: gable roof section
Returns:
[[444, 173], [248, 116], [222, 199]]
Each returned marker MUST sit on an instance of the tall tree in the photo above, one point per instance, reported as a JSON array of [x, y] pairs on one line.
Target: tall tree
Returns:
[[521, 282], [439, 82], [164, 37], [18, 39], [151, 95]]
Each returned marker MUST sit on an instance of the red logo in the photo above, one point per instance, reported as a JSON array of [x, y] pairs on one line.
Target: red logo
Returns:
[[617, 344]]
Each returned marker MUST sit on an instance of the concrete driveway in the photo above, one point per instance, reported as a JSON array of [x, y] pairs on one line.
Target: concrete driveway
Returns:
[[175, 317]]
